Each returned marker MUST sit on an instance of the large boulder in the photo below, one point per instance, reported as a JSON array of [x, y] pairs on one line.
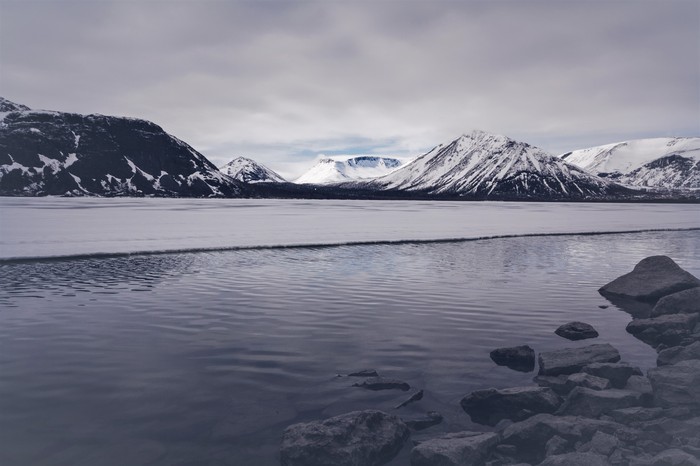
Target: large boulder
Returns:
[[683, 302], [519, 358], [677, 385], [651, 279], [358, 438], [456, 449], [576, 331], [572, 360], [576, 459], [592, 403], [491, 406], [617, 373], [677, 354], [668, 329]]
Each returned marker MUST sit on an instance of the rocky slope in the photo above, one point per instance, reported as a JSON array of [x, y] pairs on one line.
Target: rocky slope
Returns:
[[484, 165], [330, 171], [56, 153], [662, 163], [246, 170]]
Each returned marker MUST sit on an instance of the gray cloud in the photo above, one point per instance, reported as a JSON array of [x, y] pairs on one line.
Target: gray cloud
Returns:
[[283, 81]]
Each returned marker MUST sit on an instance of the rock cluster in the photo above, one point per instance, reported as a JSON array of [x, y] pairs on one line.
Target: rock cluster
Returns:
[[588, 407]]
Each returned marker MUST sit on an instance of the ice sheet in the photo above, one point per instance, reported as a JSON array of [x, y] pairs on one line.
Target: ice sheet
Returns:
[[55, 227]]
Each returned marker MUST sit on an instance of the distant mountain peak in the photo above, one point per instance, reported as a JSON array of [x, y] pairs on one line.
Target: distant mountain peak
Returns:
[[9, 106], [361, 167], [249, 171]]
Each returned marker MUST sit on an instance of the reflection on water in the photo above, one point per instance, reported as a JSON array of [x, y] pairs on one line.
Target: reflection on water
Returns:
[[205, 358]]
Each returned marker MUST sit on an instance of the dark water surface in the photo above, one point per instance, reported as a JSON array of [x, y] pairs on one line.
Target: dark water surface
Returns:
[[205, 358]]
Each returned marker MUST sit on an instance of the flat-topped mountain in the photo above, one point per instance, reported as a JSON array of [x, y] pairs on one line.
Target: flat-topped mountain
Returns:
[[57, 153], [329, 171]]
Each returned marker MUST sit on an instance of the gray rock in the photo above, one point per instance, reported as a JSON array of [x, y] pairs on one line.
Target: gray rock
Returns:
[[358, 438], [676, 385], [415, 397], [674, 457], [382, 383], [576, 459], [678, 353], [651, 279], [635, 414], [519, 358], [556, 383], [616, 373], [491, 406], [455, 449], [592, 403], [572, 360], [576, 331], [641, 385], [601, 444], [683, 302], [432, 418], [364, 373], [556, 446], [668, 329], [586, 380]]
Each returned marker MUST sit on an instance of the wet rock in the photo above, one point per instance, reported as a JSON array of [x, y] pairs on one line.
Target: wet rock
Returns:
[[576, 331], [576, 459], [572, 360], [358, 438], [556, 383], [677, 354], [457, 449], [676, 385], [556, 446], [641, 385], [601, 444], [616, 373], [635, 414], [432, 418], [382, 383], [666, 329], [415, 397], [586, 380], [519, 358], [651, 279], [491, 406], [683, 302], [592, 403], [364, 373], [674, 457]]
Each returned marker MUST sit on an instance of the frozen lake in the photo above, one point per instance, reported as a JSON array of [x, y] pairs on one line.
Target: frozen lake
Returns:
[[204, 358], [49, 227]]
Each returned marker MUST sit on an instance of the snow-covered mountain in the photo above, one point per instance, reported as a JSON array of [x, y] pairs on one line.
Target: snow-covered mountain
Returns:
[[249, 171], [486, 165], [329, 171], [667, 163], [55, 153]]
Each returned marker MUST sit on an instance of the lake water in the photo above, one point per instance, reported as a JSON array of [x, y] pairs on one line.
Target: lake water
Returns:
[[204, 358]]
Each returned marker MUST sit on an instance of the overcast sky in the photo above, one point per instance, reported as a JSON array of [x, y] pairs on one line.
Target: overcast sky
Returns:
[[282, 82]]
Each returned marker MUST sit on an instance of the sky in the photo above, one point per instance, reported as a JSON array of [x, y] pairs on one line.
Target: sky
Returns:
[[285, 82]]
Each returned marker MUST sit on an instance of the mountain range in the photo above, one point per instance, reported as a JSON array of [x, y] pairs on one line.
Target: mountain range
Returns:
[[56, 153]]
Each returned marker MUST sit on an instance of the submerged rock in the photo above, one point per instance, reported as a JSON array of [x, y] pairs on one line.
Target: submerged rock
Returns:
[[572, 360], [576, 331], [432, 418], [358, 438], [491, 406], [683, 302], [677, 354], [519, 358], [592, 403], [382, 383], [651, 279], [364, 373], [415, 397], [456, 449], [676, 385], [617, 373]]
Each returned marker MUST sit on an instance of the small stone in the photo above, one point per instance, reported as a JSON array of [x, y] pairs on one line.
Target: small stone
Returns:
[[382, 383], [519, 358], [651, 279], [572, 360], [415, 397], [576, 331], [432, 418], [616, 373]]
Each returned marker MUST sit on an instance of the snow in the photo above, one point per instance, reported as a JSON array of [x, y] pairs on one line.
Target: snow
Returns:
[[344, 168], [89, 226], [249, 171]]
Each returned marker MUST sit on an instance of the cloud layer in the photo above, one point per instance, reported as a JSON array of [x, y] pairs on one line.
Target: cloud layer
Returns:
[[283, 81]]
